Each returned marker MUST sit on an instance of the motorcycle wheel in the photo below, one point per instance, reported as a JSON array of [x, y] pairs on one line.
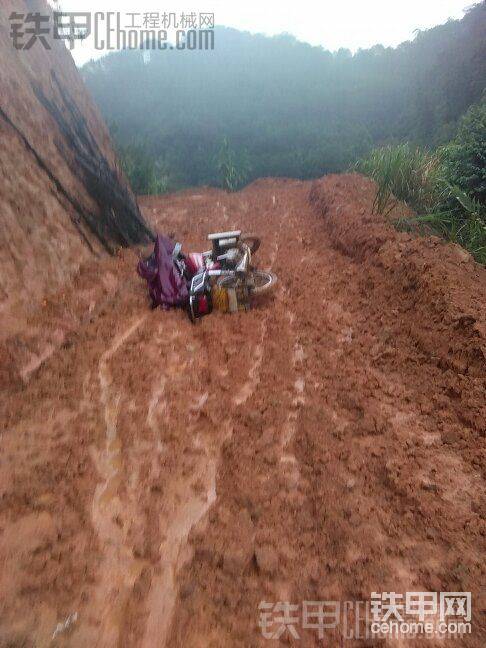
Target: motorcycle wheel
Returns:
[[263, 282]]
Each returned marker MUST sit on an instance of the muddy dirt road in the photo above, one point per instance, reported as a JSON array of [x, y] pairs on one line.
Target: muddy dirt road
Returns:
[[159, 480]]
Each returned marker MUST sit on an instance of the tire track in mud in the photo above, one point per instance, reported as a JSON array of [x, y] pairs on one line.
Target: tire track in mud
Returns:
[[288, 458], [333, 484], [187, 507], [328, 460], [190, 510], [184, 506], [132, 466], [254, 373], [118, 570], [278, 367]]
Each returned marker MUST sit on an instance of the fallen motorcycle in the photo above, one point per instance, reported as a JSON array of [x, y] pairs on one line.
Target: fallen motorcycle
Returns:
[[222, 278]]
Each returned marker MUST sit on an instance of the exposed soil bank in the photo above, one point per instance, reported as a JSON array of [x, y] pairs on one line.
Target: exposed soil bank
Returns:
[[63, 199]]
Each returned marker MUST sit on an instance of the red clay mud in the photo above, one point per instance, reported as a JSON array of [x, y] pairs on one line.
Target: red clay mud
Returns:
[[160, 480]]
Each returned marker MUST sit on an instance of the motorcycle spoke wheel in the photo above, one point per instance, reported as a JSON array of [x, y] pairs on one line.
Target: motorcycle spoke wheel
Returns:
[[263, 282]]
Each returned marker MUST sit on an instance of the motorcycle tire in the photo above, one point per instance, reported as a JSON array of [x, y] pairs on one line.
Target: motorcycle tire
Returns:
[[264, 282]]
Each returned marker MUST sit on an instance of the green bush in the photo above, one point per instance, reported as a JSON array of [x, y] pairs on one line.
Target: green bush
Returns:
[[464, 159], [460, 219], [146, 176], [447, 188]]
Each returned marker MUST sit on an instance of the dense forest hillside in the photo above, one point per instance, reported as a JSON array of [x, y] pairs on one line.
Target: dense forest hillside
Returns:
[[277, 106]]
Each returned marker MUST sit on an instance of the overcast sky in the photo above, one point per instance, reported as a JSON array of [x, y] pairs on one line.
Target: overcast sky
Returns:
[[330, 23]]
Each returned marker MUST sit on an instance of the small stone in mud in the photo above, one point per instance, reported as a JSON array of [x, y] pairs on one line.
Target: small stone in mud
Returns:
[[461, 254], [187, 589], [235, 561], [430, 486], [254, 418], [450, 436], [198, 486], [313, 570], [270, 457], [267, 438], [267, 559]]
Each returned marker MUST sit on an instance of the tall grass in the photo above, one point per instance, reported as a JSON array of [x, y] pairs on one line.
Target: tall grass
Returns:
[[233, 168], [405, 173], [421, 179]]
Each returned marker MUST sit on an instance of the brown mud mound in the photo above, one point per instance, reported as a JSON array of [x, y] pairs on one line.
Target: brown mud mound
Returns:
[[159, 481], [437, 290]]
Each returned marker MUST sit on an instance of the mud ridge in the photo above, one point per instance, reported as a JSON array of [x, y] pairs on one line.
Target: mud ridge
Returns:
[[435, 291]]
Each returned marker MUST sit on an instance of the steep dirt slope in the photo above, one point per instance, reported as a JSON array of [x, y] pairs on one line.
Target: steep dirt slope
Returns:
[[159, 480], [62, 198]]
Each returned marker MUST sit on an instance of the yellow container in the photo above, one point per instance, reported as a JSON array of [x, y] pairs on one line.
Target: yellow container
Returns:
[[230, 300], [220, 299]]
